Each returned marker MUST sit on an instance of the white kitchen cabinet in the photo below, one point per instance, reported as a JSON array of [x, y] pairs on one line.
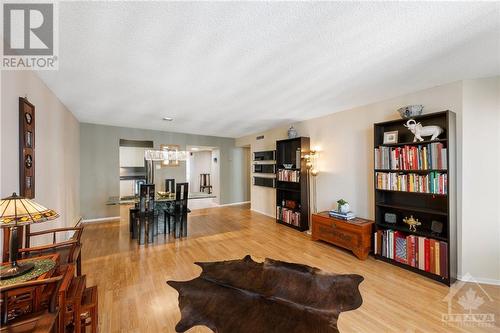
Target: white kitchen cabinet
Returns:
[[132, 156], [126, 188]]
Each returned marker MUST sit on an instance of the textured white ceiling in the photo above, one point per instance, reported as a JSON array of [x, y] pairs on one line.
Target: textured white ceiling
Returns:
[[230, 69]]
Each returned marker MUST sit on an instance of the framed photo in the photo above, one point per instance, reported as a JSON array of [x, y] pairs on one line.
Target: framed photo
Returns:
[[27, 139], [391, 137]]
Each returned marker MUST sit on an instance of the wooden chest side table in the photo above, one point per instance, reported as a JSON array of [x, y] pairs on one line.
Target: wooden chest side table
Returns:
[[354, 235]]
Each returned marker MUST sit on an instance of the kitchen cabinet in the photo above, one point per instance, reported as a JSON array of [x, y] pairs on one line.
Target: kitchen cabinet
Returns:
[[132, 157]]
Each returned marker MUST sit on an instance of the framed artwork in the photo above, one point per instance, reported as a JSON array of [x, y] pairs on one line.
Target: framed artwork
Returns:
[[26, 148], [172, 152], [391, 137]]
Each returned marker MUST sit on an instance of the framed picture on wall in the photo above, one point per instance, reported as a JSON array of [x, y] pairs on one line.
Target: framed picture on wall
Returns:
[[390, 137], [26, 148]]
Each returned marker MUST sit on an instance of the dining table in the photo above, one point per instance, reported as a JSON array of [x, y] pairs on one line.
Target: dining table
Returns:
[[131, 200]]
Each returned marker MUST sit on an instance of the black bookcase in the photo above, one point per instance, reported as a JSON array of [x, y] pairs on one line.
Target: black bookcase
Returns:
[[426, 207], [292, 185]]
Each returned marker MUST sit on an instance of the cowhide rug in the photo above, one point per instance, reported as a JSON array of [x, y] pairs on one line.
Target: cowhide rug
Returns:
[[240, 296]]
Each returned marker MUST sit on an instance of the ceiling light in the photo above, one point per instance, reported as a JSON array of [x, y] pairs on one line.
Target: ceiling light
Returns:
[[168, 118], [194, 148]]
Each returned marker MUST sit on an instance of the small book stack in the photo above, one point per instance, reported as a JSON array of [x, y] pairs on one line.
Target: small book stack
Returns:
[[343, 216]]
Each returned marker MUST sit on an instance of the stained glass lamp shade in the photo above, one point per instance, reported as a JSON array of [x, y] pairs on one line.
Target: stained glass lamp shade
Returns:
[[18, 211]]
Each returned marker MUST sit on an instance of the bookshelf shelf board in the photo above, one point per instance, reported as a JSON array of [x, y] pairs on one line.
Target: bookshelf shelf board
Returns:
[[413, 209], [287, 189], [290, 225], [418, 143], [418, 193], [406, 230], [291, 169], [287, 181], [414, 269], [412, 171]]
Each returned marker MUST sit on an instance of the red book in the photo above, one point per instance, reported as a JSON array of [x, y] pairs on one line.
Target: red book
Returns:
[[432, 256], [443, 259], [427, 249], [408, 250], [414, 251]]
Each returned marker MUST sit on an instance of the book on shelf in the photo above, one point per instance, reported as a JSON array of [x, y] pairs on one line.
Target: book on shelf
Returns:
[[288, 215], [344, 216], [433, 183], [426, 254], [289, 175], [432, 156]]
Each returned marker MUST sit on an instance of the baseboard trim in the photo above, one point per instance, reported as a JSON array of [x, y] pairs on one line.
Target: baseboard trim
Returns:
[[234, 204], [468, 278], [102, 219], [258, 211]]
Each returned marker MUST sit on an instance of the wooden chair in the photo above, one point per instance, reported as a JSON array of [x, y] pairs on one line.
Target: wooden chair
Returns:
[[33, 319], [205, 182], [178, 211], [89, 310], [69, 251]]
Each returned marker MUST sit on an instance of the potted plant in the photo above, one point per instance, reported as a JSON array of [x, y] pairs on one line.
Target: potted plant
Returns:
[[343, 206]]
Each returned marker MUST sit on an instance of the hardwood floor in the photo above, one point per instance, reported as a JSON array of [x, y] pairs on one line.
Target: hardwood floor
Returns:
[[133, 295]]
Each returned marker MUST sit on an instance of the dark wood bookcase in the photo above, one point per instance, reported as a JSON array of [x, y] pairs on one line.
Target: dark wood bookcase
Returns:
[[294, 194], [426, 207]]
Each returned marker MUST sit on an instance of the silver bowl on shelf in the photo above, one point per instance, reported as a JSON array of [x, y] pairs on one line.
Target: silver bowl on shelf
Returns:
[[411, 111]]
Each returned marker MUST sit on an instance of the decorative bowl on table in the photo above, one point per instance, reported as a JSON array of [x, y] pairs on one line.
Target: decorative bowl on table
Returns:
[[288, 166], [163, 195], [411, 111]]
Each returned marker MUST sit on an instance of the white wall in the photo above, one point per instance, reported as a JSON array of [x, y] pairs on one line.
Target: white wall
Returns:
[[199, 162], [481, 179], [57, 150], [346, 163]]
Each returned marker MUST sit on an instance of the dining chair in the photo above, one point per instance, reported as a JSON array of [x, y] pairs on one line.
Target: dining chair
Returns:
[[178, 211], [146, 216], [170, 185], [30, 320]]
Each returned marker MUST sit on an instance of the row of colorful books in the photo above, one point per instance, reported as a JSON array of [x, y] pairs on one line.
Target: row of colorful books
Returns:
[[288, 216], [423, 157], [423, 253], [434, 182], [343, 216], [289, 175]]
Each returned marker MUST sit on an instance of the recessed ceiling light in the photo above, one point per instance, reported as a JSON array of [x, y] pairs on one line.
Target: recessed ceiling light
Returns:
[[194, 148], [168, 118]]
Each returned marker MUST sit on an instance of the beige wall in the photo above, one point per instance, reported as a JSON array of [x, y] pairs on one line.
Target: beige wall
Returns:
[[346, 143], [481, 174], [57, 150], [346, 164]]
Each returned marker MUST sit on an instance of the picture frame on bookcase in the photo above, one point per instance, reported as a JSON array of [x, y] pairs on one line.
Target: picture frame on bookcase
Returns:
[[391, 137]]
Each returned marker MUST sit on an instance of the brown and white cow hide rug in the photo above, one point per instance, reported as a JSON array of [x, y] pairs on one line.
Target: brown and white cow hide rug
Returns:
[[244, 296]]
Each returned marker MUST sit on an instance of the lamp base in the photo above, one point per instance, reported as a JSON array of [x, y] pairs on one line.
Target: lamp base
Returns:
[[15, 270]]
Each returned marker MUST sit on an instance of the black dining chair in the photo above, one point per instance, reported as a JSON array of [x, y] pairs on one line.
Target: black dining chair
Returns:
[[145, 217], [170, 185], [178, 211]]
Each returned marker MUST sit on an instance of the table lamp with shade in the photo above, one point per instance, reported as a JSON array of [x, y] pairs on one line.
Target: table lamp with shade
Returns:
[[18, 211]]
